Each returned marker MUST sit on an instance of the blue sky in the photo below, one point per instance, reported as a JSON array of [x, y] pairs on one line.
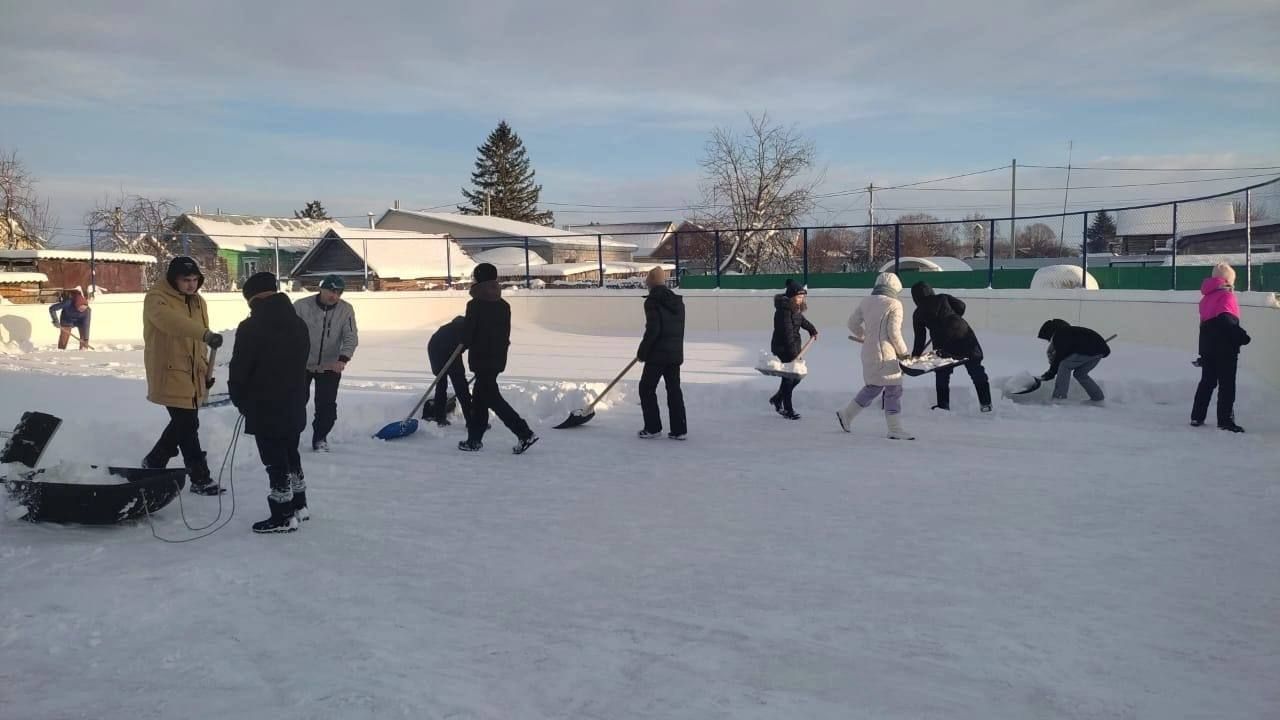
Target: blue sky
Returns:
[[258, 107]]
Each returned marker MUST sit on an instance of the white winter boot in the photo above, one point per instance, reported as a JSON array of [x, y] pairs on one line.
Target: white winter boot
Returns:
[[847, 415], [896, 431]]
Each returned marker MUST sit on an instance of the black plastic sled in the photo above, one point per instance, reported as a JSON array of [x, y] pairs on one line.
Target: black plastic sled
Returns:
[[146, 491]]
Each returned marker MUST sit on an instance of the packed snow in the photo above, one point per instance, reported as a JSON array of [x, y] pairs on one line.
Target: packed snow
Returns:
[[929, 361], [68, 473], [769, 362], [1038, 562]]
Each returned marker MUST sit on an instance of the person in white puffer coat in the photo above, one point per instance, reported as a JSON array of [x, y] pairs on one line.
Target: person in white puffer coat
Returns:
[[877, 324]]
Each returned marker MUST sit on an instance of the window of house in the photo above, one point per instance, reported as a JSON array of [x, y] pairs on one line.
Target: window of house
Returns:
[[250, 267]]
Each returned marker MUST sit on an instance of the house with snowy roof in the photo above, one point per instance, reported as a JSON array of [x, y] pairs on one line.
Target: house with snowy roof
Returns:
[[248, 243], [62, 268], [1150, 230], [478, 233], [1263, 236], [646, 236], [379, 259]]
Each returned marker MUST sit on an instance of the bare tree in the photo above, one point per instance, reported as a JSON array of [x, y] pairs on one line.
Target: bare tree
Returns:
[[832, 249], [1039, 241], [142, 226], [1256, 211], [755, 184], [28, 220]]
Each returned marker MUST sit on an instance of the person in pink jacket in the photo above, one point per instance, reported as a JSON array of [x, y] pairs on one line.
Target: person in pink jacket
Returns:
[[1221, 338], [877, 324]]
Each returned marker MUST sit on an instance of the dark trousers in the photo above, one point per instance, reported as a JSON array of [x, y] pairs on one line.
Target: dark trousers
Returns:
[[280, 457], [670, 375], [487, 397], [785, 388], [181, 434], [326, 404], [1220, 373], [458, 378], [978, 374]]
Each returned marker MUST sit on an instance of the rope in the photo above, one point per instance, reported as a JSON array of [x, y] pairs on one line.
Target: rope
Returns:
[[228, 467]]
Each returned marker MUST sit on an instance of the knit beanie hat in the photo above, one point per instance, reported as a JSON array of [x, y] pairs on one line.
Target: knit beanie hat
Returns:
[[656, 277], [485, 272], [183, 266], [334, 283], [259, 283], [794, 288]]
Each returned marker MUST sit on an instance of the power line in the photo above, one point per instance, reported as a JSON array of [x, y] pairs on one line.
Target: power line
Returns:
[[1090, 187], [1134, 169]]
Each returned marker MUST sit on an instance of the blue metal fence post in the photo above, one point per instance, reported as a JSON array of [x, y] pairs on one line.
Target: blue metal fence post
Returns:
[[991, 256], [93, 267], [528, 280], [677, 257], [717, 259], [448, 264], [600, 256], [897, 247], [1084, 253], [1173, 244], [804, 249]]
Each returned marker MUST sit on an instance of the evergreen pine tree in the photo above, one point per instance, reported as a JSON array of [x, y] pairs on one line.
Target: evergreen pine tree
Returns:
[[313, 211], [1101, 232], [503, 181]]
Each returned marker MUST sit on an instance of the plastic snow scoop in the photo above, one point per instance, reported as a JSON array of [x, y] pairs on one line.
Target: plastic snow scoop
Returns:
[[583, 415], [409, 425], [925, 364], [30, 437], [783, 373], [1037, 381], [141, 491]]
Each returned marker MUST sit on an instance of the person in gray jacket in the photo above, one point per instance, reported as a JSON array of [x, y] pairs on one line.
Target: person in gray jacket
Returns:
[[331, 322]]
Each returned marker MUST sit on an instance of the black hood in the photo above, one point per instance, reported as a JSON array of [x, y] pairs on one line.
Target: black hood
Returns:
[[668, 300], [1051, 328], [182, 266], [920, 291], [272, 307], [487, 290]]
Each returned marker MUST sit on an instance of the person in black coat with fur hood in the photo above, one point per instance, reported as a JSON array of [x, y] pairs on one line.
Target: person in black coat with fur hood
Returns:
[[662, 352], [269, 386], [942, 317], [788, 321], [486, 335]]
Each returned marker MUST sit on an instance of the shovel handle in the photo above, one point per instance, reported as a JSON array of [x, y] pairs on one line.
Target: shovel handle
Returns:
[[213, 355], [609, 387], [443, 371], [805, 348]]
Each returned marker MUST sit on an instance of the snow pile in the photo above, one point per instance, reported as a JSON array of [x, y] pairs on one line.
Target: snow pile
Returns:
[[928, 362], [769, 362], [1062, 277], [71, 473], [1020, 383]]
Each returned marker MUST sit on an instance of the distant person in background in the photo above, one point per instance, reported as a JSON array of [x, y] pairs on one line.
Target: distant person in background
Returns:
[[439, 349], [1221, 338], [942, 316], [175, 333], [71, 312], [331, 323], [662, 352], [1073, 351], [788, 321]]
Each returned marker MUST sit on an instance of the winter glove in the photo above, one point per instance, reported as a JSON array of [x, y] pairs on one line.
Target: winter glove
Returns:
[[208, 383], [212, 339]]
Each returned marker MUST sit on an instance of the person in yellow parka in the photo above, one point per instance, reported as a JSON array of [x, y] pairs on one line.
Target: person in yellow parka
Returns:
[[175, 331]]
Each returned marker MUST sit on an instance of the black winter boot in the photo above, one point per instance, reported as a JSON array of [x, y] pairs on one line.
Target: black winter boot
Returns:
[[282, 519], [202, 480]]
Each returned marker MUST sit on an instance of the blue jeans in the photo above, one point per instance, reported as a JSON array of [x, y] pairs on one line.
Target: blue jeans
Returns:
[[1079, 366]]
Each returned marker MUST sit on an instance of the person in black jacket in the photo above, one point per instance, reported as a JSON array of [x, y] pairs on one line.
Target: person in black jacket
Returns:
[[662, 352], [942, 316], [1221, 338], [268, 384], [1072, 351], [439, 349], [486, 335], [788, 321]]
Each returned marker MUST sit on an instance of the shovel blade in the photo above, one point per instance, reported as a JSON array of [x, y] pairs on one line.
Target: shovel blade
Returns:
[[575, 419], [398, 429]]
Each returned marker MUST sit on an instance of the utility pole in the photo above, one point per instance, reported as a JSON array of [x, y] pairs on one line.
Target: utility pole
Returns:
[[871, 220], [365, 244], [1013, 210], [1066, 191]]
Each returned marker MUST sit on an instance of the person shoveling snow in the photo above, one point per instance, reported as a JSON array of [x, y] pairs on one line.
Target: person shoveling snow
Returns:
[[788, 321]]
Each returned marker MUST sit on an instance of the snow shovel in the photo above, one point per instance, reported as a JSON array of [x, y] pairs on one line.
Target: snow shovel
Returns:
[[583, 415], [1036, 382], [409, 425], [29, 438], [783, 373], [215, 399]]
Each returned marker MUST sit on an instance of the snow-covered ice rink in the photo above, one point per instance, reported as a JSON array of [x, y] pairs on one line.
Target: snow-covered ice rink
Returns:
[[1040, 562]]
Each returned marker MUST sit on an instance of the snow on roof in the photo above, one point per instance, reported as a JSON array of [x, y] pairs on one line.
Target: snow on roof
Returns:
[[53, 254], [1159, 220], [404, 254], [507, 256], [253, 232], [489, 226], [646, 236], [14, 278], [1221, 228], [554, 270], [929, 264]]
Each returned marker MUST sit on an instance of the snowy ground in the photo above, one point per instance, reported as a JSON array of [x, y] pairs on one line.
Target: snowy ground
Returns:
[[1043, 562]]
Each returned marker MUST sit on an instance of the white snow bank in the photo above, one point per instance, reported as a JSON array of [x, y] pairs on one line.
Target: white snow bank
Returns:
[[1062, 277], [68, 473], [769, 361]]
